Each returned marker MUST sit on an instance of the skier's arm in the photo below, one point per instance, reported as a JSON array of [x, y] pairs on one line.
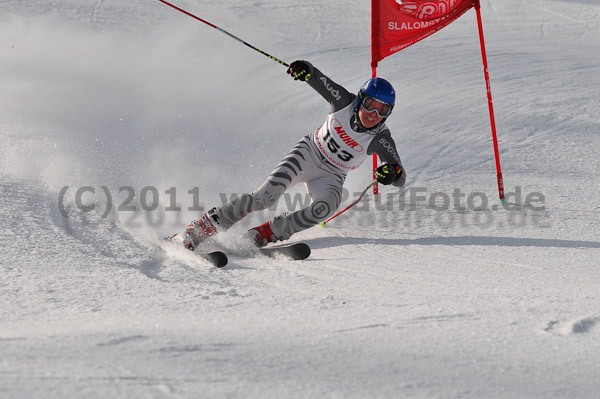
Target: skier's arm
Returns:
[[384, 146], [335, 94]]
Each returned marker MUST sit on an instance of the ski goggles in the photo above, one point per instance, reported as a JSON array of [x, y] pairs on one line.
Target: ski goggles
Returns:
[[371, 104]]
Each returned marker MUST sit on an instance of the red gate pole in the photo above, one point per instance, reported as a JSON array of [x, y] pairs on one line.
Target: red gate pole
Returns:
[[490, 103], [374, 39], [375, 184]]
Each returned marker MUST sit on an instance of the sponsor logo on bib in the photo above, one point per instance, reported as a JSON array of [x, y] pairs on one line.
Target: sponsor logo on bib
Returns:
[[341, 133]]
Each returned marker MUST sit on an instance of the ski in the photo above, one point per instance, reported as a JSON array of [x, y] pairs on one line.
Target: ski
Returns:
[[296, 251], [217, 258]]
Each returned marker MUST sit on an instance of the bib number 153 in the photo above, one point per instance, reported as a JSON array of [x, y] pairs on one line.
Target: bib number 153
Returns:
[[334, 147]]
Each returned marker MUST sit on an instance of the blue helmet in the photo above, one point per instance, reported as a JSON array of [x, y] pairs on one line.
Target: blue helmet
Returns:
[[379, 89]]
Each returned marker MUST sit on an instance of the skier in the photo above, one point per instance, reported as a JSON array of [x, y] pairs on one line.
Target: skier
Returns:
[[354, 129]]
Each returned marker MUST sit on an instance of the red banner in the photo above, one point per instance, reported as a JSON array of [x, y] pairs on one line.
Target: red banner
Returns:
[[397, 24]]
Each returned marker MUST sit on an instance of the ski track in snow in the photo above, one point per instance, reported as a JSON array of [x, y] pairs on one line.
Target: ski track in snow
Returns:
[[579, 326], [398, 300], [95, 11]]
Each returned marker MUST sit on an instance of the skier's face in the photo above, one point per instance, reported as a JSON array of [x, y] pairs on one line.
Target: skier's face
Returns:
[[368, 119]]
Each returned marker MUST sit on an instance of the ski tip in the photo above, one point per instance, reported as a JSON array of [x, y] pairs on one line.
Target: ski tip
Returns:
[[296, 251], [322, 224], [219, 259], [302, 251]]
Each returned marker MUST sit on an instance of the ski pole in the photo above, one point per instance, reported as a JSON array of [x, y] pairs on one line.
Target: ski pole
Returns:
[[322, 224], [225, 32]]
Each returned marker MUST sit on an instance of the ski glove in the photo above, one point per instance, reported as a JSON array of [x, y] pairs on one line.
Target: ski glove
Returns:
[[387, 174], [299, 70]]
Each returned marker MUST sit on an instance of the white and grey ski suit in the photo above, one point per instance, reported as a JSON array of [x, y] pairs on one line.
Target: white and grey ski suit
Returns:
[[321, 161]]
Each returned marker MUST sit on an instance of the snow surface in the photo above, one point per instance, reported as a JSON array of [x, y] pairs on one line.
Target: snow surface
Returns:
[[410, 299]]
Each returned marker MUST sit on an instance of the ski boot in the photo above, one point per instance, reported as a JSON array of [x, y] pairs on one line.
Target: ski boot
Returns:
[[200, 229], [261, 235]]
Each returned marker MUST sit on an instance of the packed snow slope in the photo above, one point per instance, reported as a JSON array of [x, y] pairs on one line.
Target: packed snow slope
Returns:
[[115, 114]]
